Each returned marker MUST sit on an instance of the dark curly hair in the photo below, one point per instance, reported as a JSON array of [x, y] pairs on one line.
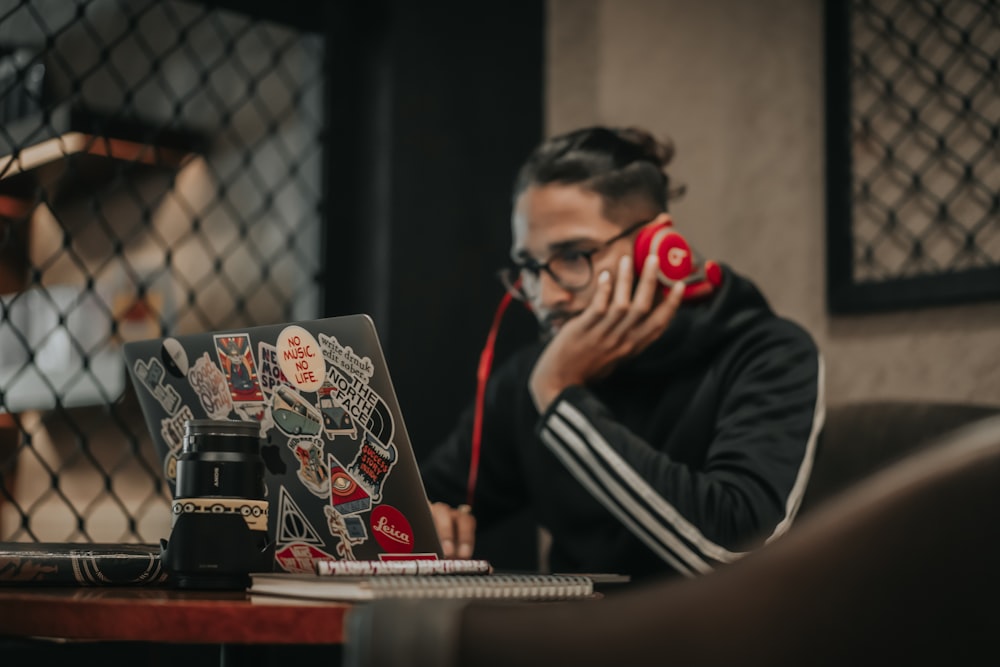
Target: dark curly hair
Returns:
[[616, 163]]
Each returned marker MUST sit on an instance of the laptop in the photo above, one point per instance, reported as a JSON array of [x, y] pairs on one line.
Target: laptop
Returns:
[[341, 477]]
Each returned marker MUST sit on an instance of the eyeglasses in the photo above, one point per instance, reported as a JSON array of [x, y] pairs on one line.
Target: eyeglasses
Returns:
[[572, 269]]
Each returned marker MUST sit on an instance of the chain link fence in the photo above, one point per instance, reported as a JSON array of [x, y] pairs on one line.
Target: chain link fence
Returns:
[[160, 173], [923, 86]]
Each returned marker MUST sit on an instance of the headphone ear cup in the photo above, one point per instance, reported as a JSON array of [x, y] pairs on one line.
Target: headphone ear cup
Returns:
[[644, 243], [676, 257]]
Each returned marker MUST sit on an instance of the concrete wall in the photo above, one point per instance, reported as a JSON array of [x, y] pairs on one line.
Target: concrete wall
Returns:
[[738, 86]]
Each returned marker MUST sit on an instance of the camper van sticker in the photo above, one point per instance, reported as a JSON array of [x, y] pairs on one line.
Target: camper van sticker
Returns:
[[293, 414], [342, 527], [312, 473], [151, 374], [236, 361], [300, 359], [372, 465], [346, 495], [211, 387], [336, 419]]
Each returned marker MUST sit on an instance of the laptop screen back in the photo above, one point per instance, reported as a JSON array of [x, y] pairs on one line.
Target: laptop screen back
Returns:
[[341, 477]]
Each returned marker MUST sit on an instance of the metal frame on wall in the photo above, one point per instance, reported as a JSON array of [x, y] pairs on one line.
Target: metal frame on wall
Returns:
[[913, 176], [192, 165], [161, 172]]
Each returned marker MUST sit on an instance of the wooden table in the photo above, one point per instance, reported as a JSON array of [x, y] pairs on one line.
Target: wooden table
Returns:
[[230, 620]]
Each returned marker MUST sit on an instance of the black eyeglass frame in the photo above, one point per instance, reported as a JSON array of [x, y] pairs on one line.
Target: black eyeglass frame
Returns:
[[510, 276]]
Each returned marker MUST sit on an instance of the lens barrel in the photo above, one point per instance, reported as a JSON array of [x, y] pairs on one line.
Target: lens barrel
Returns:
[[220, 458]]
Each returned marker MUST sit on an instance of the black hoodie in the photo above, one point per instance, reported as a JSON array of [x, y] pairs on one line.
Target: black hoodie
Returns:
[[688, 455]]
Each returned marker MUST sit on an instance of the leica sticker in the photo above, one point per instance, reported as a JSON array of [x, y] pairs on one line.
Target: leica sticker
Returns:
[[391, 529]]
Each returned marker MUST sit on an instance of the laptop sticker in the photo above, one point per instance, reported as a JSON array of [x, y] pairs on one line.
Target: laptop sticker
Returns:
[[174, 357], [392, 530], [300, 359], [339, 528], [151, 374], [292, 523], [293, 414], [212, 388], [372, 465], [172, 432], [300, 557], [336, 419], [312, 472], [270, 374], [236, 361], [346, 495]]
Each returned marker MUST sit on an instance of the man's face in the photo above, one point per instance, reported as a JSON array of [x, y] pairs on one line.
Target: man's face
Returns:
[[553, 219]]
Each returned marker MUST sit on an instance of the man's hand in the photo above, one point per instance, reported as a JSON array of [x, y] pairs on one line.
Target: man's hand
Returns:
[[456, 529], [616, 325]]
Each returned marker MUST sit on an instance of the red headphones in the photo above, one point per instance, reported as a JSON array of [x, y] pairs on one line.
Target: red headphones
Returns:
[[678, 263]]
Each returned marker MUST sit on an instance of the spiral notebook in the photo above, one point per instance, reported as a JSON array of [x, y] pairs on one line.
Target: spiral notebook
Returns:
[[342, 480], [513, 586]]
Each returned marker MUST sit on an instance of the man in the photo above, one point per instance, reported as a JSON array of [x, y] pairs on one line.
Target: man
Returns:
[[648, 433]]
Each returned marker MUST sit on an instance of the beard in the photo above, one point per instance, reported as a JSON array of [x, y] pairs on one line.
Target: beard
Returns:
[[551, 323]]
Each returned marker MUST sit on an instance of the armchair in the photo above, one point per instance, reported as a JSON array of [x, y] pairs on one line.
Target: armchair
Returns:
[[900, 568]]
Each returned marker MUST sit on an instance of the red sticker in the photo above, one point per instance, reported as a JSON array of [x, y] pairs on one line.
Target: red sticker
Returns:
[[407, 557], [300, 557], [392, 530]]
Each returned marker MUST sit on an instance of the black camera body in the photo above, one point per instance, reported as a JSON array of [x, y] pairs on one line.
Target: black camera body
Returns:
[[219, 532]]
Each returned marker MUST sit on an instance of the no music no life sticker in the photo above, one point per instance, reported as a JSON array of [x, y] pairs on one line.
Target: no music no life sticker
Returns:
[[300, 358]]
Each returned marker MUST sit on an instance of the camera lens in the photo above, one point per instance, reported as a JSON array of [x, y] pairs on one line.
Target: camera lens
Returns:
[[220, 458], [219, 532]]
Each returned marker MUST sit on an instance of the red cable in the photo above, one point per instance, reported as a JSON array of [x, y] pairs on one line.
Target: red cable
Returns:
[[482, 375]]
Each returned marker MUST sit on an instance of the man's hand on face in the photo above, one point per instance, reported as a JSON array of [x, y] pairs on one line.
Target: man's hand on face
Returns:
[[617, 324], [456, 529]]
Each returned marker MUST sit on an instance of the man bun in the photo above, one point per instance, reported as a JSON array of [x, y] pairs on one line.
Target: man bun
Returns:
[[617, 163]]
